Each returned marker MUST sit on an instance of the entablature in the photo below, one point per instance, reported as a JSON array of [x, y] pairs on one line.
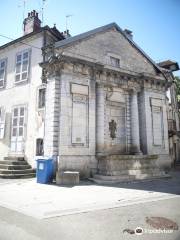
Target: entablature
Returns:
[[102, 73]]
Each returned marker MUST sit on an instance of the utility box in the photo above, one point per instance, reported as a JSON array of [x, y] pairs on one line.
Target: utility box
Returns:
[[45, 170]]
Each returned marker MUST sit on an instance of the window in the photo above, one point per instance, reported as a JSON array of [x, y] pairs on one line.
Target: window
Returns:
[[41, 100], [115, 62], [2, 122], [2, 72], [22, 66], [39, 147], [18, 122]]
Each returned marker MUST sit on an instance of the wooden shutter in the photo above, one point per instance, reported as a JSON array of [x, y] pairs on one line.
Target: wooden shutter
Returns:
[[2, 122]]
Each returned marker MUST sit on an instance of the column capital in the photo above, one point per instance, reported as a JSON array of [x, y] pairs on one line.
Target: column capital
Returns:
[[135, 90], [99, 84]]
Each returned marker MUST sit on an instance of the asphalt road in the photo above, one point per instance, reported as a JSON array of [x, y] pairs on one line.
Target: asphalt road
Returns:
[[110, 224]]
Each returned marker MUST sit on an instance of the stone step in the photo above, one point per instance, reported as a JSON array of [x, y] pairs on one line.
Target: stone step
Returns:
[[14, 167], [114, 178], [13, 162], [152, 176], [107, 182], [102, 179], [129, 171], [15, 172], [177, 166], [15, 176], [14, 158], [128, 157], [125, 165]]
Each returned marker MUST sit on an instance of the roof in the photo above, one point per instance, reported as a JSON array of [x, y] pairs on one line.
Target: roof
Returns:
[[54, 31], [170, 65], [71, 40]]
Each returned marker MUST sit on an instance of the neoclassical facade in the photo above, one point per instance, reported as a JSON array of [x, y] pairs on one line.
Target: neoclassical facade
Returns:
[[95, 102], [105, 106]]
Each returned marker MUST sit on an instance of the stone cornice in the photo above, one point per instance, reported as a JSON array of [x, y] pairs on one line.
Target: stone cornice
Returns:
[[103, 73]]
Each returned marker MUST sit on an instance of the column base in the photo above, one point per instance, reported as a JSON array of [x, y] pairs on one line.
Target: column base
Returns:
[[135, 150], [138, 153]]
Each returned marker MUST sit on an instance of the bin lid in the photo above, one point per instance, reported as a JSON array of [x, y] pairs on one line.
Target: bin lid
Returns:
[[44, 159]]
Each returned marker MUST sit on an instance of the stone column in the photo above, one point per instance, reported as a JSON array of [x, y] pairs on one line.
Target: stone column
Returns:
[[100, 108], [135, 143], [51, 136]]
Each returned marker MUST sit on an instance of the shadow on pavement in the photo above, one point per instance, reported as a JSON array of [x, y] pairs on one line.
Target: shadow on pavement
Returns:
[[164, 185]]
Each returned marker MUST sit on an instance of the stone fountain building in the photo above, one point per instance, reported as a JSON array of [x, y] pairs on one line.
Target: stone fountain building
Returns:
[[95, 102], [105, 111]]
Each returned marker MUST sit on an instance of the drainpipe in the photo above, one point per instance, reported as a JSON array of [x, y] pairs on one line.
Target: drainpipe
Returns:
[[44, 57]]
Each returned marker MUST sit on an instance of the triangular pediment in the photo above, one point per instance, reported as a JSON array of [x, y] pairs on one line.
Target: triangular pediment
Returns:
[[106, 44]]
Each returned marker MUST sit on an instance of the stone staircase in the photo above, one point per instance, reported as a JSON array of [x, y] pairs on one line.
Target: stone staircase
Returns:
[[15, 167], [125, 168], [177, 166]]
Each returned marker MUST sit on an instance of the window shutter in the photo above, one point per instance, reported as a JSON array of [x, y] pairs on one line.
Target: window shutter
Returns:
[[2, 122], [2, 72]]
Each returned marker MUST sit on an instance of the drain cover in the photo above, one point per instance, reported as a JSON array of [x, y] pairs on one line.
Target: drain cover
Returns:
[[161, 223]]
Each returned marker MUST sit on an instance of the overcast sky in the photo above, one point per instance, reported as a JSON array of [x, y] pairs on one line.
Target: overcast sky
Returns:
[[155, 23]]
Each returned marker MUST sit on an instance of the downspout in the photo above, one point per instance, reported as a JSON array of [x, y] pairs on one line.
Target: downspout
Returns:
[[44, 58]]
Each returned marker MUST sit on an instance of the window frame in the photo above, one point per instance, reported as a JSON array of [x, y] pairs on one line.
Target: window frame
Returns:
[[5, 71], [2, 122], [116, 61], [110, 55], [21, 53], [39, 146], [42, 87]]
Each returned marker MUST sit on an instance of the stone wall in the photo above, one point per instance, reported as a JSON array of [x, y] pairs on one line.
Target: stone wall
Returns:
[[99, 47], [142, 122], [154, 135], [75, 127], [51, 139], [95, 97]]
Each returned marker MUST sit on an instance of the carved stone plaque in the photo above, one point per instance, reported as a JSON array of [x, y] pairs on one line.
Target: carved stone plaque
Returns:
[[112, 128]]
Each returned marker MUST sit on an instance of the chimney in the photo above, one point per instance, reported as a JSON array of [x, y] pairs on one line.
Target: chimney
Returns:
[[32, 23], [66, 34], [128, 33]]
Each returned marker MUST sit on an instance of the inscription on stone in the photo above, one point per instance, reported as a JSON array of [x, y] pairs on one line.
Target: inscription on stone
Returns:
[[79, 119]]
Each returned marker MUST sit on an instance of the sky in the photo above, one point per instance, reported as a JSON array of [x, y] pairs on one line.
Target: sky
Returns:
[[155, 23]]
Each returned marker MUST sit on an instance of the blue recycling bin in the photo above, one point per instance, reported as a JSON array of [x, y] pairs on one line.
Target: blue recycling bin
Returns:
[[45, 170]]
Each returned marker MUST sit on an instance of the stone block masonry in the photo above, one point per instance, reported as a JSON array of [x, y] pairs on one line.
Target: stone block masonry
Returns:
[[67, 178]]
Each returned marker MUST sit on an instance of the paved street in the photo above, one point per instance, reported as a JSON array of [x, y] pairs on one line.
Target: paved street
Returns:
[[95, 214]]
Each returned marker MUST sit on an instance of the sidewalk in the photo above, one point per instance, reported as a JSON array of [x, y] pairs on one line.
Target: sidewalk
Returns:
[[45, 201]]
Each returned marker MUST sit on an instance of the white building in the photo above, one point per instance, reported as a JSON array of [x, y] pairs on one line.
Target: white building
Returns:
[[22, 91]]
